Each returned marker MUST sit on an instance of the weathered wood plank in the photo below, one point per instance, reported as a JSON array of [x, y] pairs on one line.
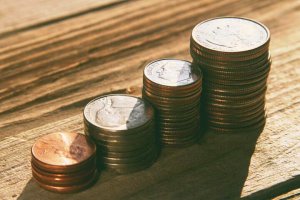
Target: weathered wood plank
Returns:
[[48, 73], [216, 168], [24, 15]]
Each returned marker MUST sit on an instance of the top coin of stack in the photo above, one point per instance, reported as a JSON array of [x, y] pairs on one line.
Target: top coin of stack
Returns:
[[64, 162], [174, 88], [233, 54], [123, 128]]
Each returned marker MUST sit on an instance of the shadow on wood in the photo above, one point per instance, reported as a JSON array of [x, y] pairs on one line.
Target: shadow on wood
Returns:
[[276, 190], [216, 168]]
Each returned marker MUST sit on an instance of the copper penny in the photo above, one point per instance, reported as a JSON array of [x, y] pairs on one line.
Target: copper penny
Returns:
[[63, 149], [69, 188]]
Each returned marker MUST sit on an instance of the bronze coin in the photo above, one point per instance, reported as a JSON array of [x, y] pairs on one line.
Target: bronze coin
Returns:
[[180, 142], [125, 148], [232, 114], [234, 90], [226, 58], [242, 82], [258, 127], [236, 102], [164, 101], [72, 188], [62, 179], [231, 66], [127, 154], [133, 159], [235, 70], [240, 97], [132, 137], [227, 111], [237, 124], [133, 167], [173, 93], [235, 119], [63, 151]]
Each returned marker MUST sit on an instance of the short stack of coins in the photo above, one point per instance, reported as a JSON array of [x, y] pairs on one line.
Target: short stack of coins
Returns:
[[64, 162], [123, 128], [233, 54], [174, 87]]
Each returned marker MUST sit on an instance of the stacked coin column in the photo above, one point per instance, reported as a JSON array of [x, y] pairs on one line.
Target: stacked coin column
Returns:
[[123, 128], [173, 87], [64, 162], [234, 58]]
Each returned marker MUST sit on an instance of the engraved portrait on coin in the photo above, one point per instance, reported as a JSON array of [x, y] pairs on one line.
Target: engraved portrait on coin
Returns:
[[118, 112], [230, 34], [171, 72]]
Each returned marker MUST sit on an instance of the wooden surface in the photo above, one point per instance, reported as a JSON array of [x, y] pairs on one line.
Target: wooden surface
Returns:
[[55, 57]]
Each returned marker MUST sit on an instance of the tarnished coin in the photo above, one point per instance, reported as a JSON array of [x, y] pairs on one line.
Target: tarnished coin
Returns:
[[118, 112], [230, 35]]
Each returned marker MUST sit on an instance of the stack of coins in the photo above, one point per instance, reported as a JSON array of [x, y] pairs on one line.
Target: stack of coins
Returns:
[[64, 162], [123, 128], [233, 54], [174, 88]]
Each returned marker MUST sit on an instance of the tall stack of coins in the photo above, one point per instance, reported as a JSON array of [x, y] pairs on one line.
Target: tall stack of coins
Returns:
[[64, 162], [174, 88], [233, 54], [123, 128]]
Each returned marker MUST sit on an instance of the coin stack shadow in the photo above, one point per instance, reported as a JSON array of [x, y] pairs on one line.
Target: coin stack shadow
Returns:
[[233, 54], [123, 128], [174, 87], [64, 162]]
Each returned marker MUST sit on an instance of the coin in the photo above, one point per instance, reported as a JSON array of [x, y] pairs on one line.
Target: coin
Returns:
[[233, 54], [69, 188], [174, 89], [228, 35], [63, 150], [64, 162], [62, 179], [172, 73], [118, 112], [123, 127]]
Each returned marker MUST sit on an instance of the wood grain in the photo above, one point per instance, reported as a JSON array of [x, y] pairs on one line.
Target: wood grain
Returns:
[[49, 72], [25, 15]]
